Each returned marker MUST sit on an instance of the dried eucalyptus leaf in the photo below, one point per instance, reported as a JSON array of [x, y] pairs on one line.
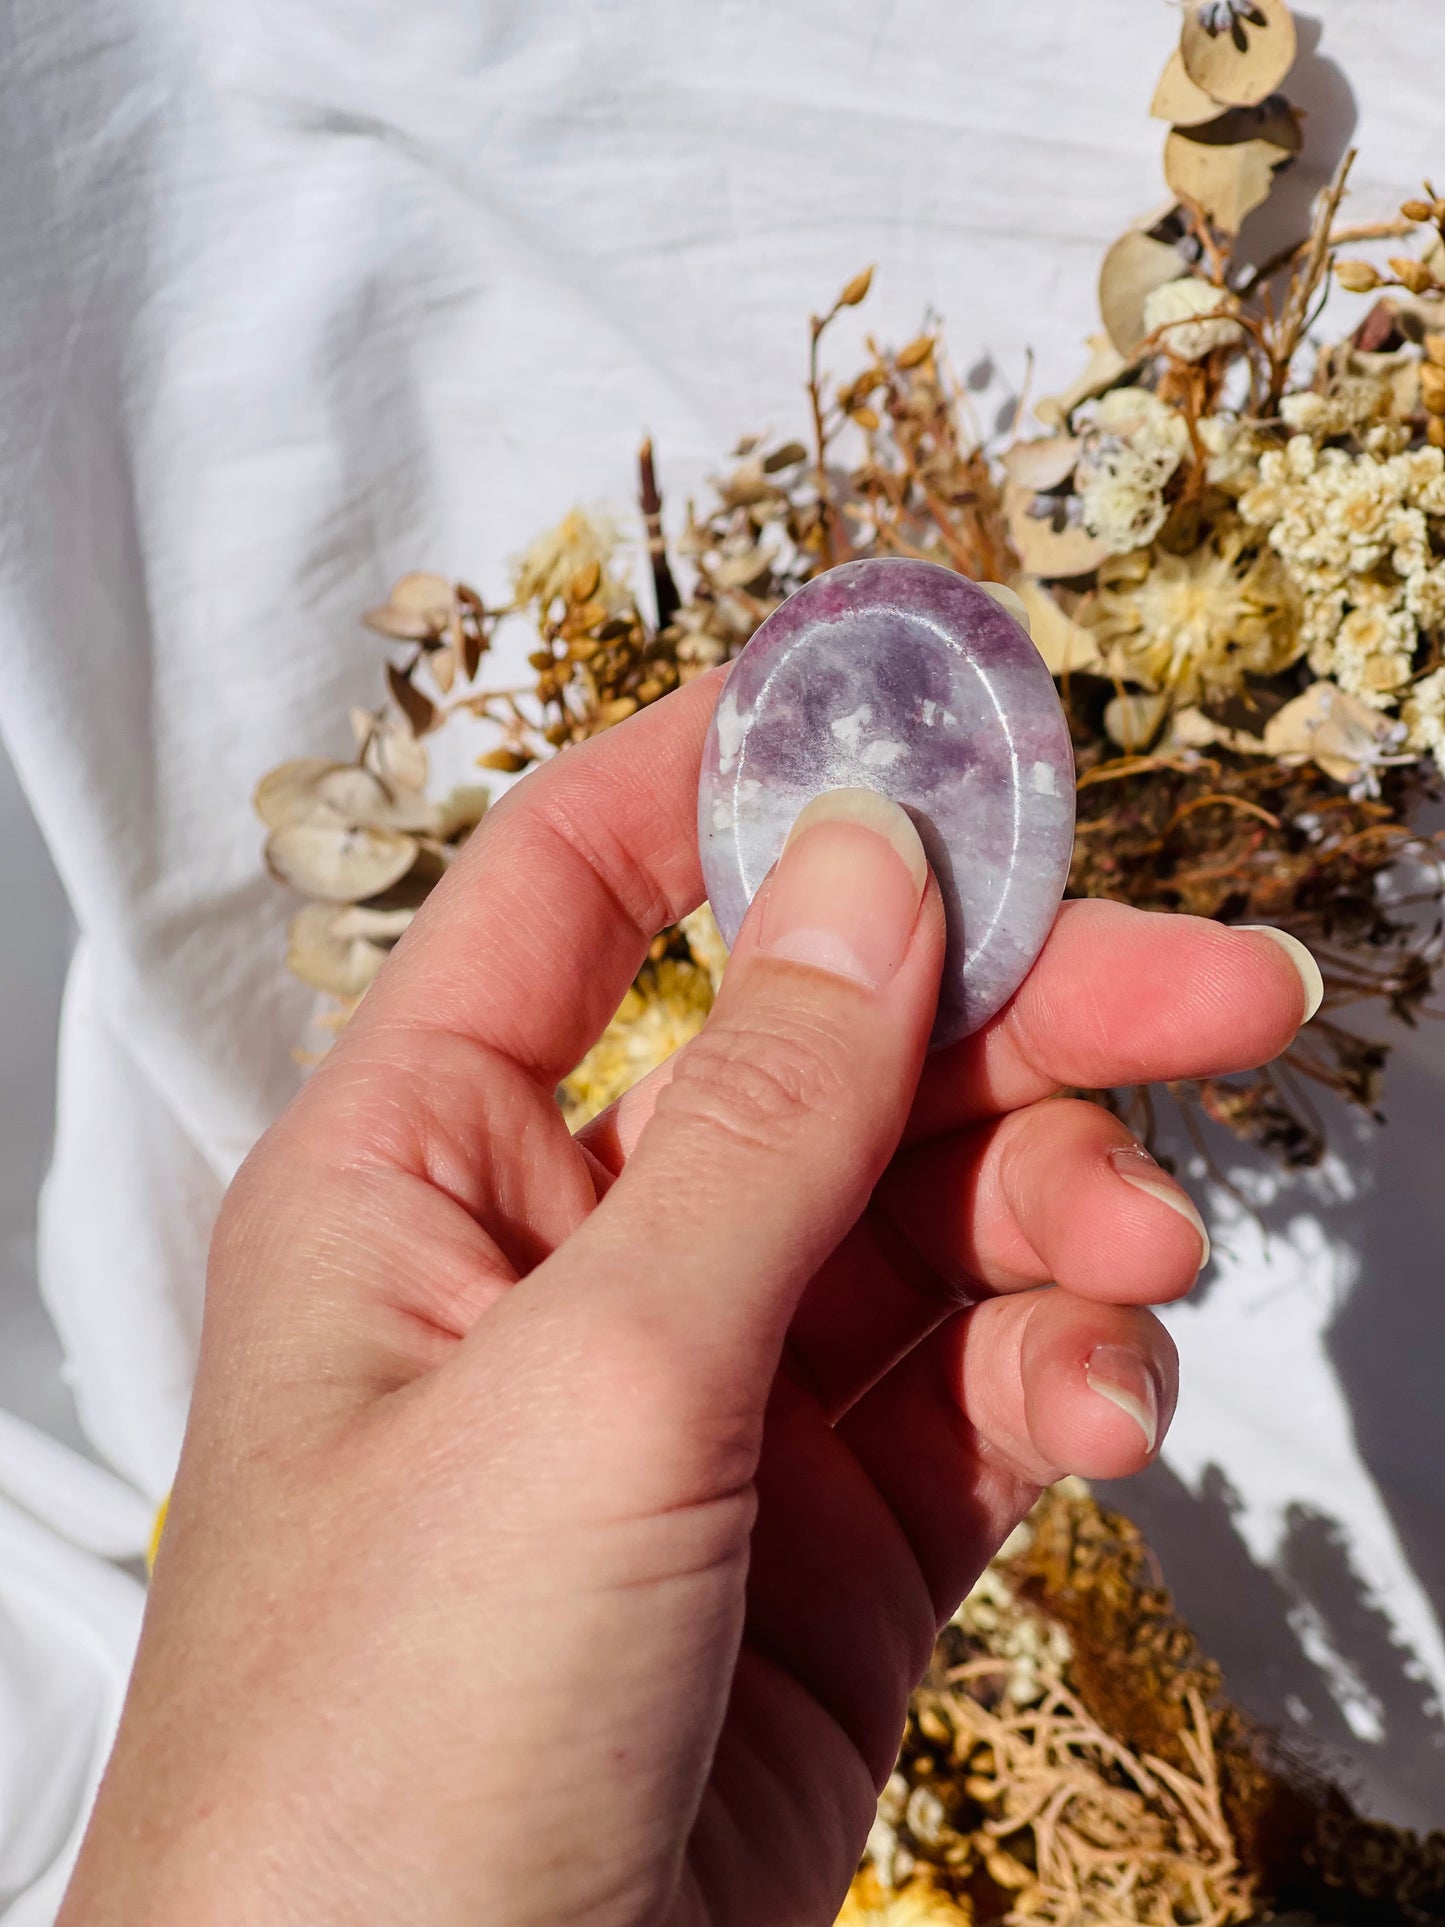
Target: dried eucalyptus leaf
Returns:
[[362, 801], [377, 926], [1105, 366], [337, 863], [288, 795], [395, 755], [1331, 728], [320, 955], [1228, 180], [1066, 646], [418, 708], [401, 625], [1132, 269], [1238, 54], [462, 810], [1044, 550], [1044, 464], [1178, 99]]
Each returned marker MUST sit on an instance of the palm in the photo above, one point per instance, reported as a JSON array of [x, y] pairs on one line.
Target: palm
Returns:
[[888, 1438]]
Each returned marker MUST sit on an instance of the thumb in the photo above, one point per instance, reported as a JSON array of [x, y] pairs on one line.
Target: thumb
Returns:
[[780, 1117]]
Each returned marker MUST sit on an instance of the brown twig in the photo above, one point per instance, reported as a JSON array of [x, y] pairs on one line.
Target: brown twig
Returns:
[[664, 588]]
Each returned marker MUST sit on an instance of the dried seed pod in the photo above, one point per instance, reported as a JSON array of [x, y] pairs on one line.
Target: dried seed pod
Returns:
[[1412, 273], [1432, 387], [788, 456], [917, 352], [857, 289], [506, 759], [1433, 346], [1357, 277], [1417, 210]]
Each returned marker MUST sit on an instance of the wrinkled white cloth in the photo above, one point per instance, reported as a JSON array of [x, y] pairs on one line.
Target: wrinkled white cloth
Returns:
[[300, 294]]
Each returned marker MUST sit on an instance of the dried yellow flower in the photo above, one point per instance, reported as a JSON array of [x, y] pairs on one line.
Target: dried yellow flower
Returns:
[[1198, 623], [916, 1905], [578, 545], [663, 1010]]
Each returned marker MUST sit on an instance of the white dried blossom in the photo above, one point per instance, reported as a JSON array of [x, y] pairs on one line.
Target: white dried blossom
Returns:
[[1425, 596], [1353, 403], [1372, 653], [1175, 308], [1233, 453], [1138, 416], [1423, 714], [1354, 533], [1132, 444], [1121, 494]]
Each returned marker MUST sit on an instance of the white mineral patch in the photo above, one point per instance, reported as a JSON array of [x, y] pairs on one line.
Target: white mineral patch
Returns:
[[849, 729], [747, 789], [722, 813], [730, 728], [1042, 778], [884, 754], [935, 712]]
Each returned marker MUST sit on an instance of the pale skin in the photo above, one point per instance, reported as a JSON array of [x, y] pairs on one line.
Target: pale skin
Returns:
[[562, 1523]]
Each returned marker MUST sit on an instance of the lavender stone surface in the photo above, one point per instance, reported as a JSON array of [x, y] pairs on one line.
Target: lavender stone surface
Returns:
[[906, 678]]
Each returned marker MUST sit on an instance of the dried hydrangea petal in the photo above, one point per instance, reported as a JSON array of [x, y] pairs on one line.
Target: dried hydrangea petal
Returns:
[[906, 678]]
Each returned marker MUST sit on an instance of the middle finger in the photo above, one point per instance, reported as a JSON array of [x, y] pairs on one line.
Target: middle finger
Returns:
[[1057, 1193]]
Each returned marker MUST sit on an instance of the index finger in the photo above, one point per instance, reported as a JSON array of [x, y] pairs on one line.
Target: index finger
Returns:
[[1121, 996], [529, 942]]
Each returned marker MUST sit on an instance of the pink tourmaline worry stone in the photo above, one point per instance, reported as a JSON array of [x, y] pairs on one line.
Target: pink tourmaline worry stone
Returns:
[[906, 678]]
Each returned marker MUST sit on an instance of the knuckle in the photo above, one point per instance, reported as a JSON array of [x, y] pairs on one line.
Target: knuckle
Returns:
[[760, 1079]]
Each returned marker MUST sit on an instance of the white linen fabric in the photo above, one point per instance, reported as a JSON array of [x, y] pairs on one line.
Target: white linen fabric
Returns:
[[301, 294]]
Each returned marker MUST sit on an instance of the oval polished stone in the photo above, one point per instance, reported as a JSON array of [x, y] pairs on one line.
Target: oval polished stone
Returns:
[[907, 678]]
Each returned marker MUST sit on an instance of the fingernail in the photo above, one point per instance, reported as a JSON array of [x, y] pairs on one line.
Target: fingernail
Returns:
[[1299, 956], [1123, 1377], [1136, 1167], [1009, 599], [845, 895]]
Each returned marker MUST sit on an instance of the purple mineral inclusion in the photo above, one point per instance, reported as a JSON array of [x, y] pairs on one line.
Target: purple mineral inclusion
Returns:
[[906, 678]]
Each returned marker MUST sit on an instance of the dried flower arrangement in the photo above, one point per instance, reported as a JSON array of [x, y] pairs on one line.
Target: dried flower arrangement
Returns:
[[1230, 547], [1237, 574]]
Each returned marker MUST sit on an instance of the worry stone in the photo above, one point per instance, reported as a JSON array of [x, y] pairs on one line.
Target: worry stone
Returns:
[[902, 677]]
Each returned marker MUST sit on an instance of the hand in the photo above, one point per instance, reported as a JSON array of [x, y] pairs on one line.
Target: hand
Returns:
[[562, 1523]]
